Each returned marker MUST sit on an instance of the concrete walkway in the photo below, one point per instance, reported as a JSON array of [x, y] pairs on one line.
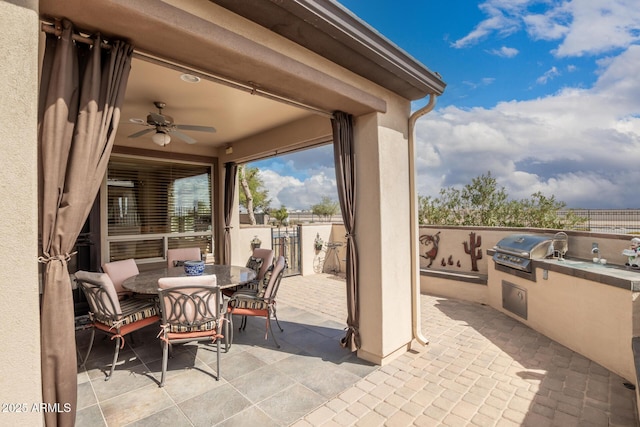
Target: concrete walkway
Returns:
[[481, 368]]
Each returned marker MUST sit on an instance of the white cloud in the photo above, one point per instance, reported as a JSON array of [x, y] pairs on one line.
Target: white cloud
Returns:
[[485, 81], [299, 194], [505, 52], [581, 145], [548, 75], [276, 183], [503, 18], [600, 26], [497, 23], [552, 25], [583, 27]]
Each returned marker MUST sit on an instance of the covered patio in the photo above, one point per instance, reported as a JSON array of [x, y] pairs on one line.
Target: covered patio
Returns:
[[299, 72], [481, 368]]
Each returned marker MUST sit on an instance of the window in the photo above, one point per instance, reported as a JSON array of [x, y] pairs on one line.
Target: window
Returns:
[[155, 205]]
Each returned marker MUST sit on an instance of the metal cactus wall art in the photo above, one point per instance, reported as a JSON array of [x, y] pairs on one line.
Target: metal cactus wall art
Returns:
[[472, 247]]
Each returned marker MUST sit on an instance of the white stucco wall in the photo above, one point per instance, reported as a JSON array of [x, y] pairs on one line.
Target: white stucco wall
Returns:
[[19, 296], [590, 318], [383, 234], [313, 261], [246, 235]]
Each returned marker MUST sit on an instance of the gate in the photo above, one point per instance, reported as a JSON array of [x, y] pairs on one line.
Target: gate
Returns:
[[285, 241]]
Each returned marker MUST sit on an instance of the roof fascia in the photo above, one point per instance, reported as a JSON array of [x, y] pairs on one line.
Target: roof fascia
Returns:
[[329, 29]]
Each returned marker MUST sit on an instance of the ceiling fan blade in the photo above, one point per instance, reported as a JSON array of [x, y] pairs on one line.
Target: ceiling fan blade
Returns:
[[142, 132], [196, 128], [182, 136]]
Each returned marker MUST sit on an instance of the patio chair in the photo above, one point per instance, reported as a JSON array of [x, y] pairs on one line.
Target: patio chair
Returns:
[[261, 303], [111, 316], [118, 272], [175, 257], [259, 261], [266, 255], [190, 309]]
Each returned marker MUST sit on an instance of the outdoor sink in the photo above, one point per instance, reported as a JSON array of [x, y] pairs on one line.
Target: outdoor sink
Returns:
[[593, 265], [582, 264]]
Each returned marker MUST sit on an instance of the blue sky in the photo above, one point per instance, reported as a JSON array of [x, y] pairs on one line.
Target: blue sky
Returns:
[[545, 94]]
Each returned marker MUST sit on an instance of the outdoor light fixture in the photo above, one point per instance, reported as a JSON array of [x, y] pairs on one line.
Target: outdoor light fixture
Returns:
[[190, 78], [161, 138]]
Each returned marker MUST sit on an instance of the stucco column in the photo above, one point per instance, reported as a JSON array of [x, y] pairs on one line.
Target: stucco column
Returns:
[[383, 234], [19, 289]]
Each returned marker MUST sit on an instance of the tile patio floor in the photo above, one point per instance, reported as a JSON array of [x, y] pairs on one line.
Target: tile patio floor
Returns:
[[481, 368]]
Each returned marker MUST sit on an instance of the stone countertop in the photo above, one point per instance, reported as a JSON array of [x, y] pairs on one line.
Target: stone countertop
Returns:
[[607, 274]]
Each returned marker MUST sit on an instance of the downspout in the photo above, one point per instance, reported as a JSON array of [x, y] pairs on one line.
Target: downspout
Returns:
[[413, 223]]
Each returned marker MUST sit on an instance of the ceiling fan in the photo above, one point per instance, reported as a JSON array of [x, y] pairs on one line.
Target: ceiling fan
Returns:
[[163, 126]]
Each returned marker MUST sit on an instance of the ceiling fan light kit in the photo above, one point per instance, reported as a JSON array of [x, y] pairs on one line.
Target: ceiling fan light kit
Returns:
[[163, 125], [161, 138]]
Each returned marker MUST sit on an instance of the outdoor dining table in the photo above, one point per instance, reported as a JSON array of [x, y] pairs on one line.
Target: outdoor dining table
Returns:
[[227, 276]]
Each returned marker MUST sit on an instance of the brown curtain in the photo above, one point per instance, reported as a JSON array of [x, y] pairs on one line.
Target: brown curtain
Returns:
[[230, 170], [342, 125], [81, 91]]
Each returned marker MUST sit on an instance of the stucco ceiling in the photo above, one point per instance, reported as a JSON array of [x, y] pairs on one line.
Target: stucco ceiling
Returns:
[[187, 45], [234, 113]]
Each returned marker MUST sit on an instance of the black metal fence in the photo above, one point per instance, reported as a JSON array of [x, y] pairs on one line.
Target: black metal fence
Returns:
[[286, 242], [619, 221]]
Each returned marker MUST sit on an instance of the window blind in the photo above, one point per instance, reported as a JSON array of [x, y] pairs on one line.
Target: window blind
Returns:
[[153, 205]]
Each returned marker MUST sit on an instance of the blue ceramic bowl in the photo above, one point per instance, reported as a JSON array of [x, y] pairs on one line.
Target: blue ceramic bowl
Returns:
[[194, 268]]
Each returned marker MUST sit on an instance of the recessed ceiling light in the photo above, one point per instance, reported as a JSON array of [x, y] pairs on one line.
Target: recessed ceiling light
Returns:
[[137, 121], [190, 78]]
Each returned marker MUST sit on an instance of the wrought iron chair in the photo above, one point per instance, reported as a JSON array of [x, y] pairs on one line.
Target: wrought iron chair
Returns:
[[176, 256], [261, 303], [118, 272], [266, 255], [111, 316], [190, 309], [260, 261]]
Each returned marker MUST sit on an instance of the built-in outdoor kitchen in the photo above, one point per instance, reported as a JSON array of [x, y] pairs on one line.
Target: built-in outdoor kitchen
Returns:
[[578, 288], [580, 302]]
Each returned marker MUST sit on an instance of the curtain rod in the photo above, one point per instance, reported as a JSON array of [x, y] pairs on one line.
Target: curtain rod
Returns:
[[321, 141], [56, 29], [252, 89]]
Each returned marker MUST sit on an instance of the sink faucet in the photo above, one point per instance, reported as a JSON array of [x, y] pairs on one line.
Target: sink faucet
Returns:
[[595, 250]]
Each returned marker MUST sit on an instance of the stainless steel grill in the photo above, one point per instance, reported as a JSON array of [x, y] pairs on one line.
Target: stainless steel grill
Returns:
[[517, 250]]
